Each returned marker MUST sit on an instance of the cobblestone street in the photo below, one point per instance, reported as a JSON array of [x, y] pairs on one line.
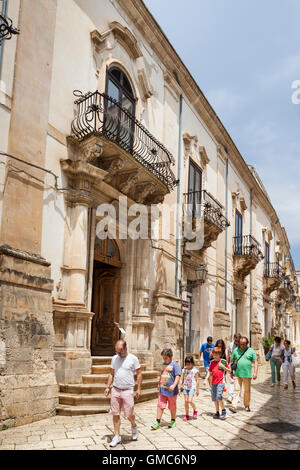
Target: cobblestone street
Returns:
[[238, 432]]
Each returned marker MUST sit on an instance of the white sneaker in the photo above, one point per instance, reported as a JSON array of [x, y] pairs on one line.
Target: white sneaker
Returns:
[[273, 385], [116, 440], [134, 434]]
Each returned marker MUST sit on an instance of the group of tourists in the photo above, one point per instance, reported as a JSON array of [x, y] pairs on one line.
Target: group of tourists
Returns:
[[282, 355], [234, 366]]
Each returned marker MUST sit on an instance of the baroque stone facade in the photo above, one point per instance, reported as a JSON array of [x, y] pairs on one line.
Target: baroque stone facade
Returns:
[[139, 134]]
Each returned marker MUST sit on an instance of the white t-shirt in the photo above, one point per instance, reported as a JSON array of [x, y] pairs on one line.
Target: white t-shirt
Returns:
[[189, 378], [124, 371], [277, 351]]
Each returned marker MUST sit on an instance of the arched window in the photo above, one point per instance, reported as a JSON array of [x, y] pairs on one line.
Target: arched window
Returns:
[[119, 123], [119, 88]]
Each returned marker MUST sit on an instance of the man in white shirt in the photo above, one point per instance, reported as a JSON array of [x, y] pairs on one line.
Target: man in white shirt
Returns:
[[121, 377]]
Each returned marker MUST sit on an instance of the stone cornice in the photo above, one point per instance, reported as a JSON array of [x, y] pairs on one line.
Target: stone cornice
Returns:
[[153, 34]]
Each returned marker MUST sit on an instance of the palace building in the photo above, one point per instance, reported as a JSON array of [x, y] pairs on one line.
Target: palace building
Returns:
[[96, 107]]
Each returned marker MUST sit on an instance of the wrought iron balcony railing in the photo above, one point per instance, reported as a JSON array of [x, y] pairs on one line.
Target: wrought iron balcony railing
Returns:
[[274, 270], [247, 245], [99, 113], [6, 27], [199, 201]]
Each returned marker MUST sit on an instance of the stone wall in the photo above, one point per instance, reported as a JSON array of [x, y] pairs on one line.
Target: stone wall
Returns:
[[28, 389]]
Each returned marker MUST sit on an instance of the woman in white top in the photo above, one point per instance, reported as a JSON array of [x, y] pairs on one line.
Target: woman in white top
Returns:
[[288, 366], [276, 359]]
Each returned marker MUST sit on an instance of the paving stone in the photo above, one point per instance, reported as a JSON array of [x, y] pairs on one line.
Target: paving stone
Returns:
[[32, 439], [96, 447], [73, 448], [73, 442], [35, 446], [54, 436], [78, 434]]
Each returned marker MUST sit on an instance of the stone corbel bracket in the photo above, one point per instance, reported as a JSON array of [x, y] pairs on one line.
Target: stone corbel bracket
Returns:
[[82, 177], [144, 84], [190, 143], [203, 157]]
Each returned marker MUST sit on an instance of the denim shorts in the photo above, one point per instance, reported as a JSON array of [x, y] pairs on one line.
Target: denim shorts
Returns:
[[189, 391], [217, 392]]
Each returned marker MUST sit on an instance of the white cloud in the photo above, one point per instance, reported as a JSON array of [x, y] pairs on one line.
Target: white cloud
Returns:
[[226, 102], [287, 70]]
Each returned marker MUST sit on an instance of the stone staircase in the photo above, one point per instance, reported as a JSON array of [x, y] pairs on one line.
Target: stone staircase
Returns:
[[88, 397]]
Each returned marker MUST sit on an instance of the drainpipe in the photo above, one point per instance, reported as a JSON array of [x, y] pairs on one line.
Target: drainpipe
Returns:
[[3, 13], [178, 209], [179, 221], [226, 234], [250, 312]]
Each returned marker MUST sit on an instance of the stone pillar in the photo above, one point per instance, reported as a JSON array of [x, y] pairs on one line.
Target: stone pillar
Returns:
[[28, 389], [71, 316], [142, 325], [221, 316]]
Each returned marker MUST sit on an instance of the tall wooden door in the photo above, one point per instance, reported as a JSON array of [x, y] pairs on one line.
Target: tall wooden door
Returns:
[[106, 307]]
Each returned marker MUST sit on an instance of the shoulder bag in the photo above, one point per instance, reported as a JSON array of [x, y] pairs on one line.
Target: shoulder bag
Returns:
[[234, 365]]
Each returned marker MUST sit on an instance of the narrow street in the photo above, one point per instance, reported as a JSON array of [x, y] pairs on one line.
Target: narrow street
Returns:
[[239, 431]]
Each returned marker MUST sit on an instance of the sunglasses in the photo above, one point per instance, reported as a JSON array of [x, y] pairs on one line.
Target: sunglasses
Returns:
[[120, 353]]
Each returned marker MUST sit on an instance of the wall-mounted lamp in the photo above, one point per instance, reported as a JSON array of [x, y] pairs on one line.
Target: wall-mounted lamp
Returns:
[[201, 274]]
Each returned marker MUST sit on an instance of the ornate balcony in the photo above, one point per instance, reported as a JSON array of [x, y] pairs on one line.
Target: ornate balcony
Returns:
[[246, 255], [215, 222], [286, 291], [110, 138], [273, 277]]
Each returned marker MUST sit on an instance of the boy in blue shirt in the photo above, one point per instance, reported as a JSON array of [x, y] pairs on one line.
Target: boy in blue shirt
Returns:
[[206, 349], [167, 388]]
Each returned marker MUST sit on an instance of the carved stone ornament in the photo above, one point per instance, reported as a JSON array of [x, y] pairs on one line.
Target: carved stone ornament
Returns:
[[126, 39], [107, 41], [93, 152], [203, 157], [190, 147], [144, 84], [129, 180], [115, 165], [143, 190]]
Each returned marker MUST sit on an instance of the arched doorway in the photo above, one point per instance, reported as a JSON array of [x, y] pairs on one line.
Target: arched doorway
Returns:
[[105, 297]]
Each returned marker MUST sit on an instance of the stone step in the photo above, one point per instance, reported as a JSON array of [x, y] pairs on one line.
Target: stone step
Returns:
[[102, 378], [94, 388], [66, 410], [80, 400], [101, 360], [105, 369]]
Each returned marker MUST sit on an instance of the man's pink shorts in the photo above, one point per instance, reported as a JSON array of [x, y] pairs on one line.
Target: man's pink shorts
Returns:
[[163, 401], [122, 400]]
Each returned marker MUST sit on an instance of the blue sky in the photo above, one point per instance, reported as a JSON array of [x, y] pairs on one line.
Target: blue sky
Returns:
[[245, 55]]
